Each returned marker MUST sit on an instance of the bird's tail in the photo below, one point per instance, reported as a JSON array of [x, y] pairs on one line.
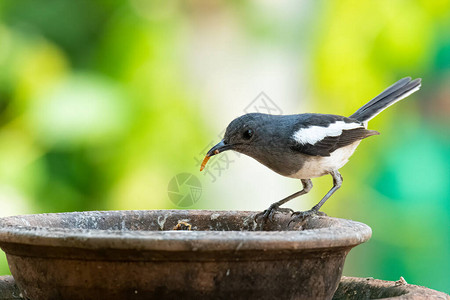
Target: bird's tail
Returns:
[[396, 92]]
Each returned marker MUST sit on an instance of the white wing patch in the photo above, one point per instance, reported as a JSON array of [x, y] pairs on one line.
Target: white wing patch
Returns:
[[313, 134]]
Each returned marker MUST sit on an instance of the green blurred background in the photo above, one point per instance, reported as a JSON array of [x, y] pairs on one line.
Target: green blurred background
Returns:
[[103, 102]]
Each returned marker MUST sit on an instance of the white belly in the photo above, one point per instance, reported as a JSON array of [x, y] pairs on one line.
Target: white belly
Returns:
[[316, 166]]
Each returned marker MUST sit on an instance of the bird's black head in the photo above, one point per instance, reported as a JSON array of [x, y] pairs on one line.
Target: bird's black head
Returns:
[[250, 134], [263, 137], [242, 134]]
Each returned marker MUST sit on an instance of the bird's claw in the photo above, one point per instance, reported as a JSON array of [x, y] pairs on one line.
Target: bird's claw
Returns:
[[299, 216], [270, 212]]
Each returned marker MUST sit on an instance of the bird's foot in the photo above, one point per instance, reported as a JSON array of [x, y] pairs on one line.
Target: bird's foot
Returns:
[[270, 212], [300, 216]]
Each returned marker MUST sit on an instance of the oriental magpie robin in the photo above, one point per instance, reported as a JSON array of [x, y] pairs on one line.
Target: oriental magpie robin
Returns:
[[309, 145]]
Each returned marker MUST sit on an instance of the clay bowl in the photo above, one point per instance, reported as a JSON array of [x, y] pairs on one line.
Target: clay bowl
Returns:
[[168, 254]]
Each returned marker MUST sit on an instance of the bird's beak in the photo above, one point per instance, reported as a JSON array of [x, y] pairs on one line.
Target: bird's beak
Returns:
[[220, 147]]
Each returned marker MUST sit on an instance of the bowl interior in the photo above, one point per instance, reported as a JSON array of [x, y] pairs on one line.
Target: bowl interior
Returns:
[[168, 220]]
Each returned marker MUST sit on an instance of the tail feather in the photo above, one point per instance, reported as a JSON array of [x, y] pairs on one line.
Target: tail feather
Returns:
[[396, 92]]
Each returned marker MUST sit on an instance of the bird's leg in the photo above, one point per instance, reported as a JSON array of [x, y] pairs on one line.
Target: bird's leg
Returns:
[[337, 183], [268, 213]]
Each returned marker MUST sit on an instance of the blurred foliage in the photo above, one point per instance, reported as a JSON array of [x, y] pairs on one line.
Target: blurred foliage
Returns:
[[97, 111]]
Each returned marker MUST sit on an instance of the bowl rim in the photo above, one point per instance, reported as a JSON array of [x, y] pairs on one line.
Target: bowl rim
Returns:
[[342, 233]]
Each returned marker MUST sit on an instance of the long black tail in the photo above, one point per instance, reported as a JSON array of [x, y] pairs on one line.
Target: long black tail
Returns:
[[396, 92]]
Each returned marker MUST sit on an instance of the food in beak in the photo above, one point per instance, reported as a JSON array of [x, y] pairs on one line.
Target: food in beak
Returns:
[[205, 160]]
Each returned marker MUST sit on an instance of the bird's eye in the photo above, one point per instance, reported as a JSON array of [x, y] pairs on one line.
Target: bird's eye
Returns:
[[247, 134]]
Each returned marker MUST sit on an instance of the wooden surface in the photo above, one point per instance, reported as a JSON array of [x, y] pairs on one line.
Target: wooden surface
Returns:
[[8, 289], [353, 288], [350, 288]]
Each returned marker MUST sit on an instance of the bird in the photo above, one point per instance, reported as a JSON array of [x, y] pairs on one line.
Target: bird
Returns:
[[309, 145]]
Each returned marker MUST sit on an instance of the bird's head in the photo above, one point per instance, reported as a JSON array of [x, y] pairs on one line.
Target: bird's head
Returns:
[[243, 134]]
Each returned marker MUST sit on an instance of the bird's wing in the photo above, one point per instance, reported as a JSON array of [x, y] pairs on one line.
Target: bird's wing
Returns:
[[320, 135]]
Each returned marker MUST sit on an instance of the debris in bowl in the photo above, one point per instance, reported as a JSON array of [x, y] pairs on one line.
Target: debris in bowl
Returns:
[[182, 226]]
